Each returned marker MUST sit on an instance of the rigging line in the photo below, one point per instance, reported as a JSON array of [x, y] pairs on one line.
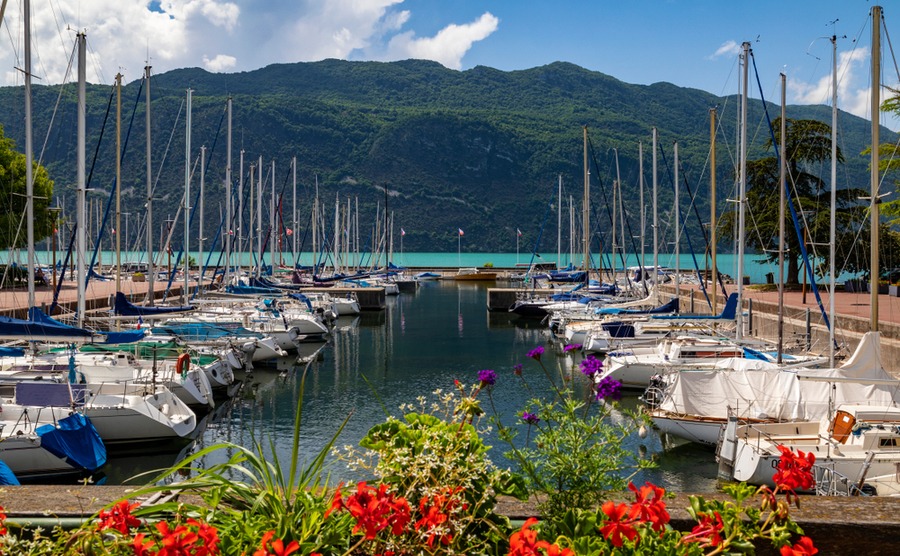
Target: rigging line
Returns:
[[62, 88], [683, 225], [797, 230], [607, 204], [116, 185], [168, 146], [537, 242]]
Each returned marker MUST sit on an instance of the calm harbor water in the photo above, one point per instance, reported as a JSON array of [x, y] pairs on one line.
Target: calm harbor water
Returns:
[[375, 362], [755, 266]]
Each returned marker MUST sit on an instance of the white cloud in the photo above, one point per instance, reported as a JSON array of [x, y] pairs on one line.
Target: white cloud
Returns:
[[728, 48], [448, 46], [219, 63], [223, 35], [853, 90]]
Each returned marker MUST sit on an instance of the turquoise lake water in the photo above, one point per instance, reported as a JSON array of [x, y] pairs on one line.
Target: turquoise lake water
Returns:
[[755, 266]]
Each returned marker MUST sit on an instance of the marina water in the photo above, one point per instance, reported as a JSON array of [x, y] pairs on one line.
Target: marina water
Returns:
[[375, 362]]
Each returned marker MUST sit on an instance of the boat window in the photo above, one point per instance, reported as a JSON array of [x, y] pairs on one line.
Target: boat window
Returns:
[[887, 443]]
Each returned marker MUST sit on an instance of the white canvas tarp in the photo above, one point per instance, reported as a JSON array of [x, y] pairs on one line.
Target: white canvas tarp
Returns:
[[760, 390]]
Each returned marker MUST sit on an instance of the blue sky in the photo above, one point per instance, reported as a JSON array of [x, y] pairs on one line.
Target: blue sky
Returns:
[[691, 43]]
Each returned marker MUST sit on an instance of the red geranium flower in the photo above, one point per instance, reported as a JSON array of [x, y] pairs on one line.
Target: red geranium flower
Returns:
[[649, 505], [209, 536], [804, 547], [524, 543], [618, 526], [2, 521], [337, 503], [119, 518], [435, 513], [277, 546], [708, 532], [375, 510], [140, 547], [794, 471]]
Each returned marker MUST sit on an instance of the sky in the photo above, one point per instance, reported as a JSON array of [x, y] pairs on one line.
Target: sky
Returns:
[[690, 43]]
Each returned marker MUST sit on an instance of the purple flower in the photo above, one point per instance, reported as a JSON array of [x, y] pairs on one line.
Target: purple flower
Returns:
[[517, 370], [536, 353], [487, 377], [590, 366], [571, 347], [609, 388], [530, 418]]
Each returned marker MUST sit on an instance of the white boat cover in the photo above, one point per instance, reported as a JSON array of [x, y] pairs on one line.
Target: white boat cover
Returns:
[[759, 390]]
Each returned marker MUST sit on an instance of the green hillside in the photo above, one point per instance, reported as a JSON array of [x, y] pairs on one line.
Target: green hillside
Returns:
[[480, 149]]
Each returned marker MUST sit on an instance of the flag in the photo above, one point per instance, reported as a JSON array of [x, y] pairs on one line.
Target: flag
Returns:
[[402, 232], [518, 232], [461, 232], [140, 322]]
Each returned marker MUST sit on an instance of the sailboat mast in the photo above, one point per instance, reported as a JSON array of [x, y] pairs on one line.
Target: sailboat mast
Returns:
[[677, 229], [259, 202], [29, 156], [742, 191], [229, 225], [655, 217], [586, 212], [151, 290], [714, 274], [119, 183], [876, 142], [240, 214], [833, 220], [187, 194], [558, 223], [202, 215], [294, 226], [80, 157], [273, 235], [613, 243], [782, 182], [643, 211]]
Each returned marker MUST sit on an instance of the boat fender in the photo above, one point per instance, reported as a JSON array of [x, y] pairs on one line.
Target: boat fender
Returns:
[[183, 364]]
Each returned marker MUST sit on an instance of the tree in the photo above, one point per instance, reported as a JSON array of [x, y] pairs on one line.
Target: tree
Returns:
[[808, 143], [12, 192]]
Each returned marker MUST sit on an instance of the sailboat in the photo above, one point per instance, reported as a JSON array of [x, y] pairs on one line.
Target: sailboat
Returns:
[[852, 440]]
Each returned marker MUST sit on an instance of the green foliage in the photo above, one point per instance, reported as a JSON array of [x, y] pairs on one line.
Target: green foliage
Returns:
[[13, 189], [574, 453], [437, 448], [481, 146]]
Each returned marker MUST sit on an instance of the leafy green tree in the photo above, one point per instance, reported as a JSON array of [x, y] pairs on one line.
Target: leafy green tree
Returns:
[[12, 193], [808, 144]]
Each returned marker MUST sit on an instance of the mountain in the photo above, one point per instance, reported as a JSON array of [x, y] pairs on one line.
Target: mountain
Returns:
[[480, 149]]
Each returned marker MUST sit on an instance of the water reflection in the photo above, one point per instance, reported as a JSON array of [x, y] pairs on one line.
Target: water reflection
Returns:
[[373, 363]]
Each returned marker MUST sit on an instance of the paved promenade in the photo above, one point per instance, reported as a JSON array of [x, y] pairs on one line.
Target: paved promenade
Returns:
[[14, 302]]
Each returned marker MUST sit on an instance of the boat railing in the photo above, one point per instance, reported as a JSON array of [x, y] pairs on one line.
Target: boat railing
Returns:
[[830, 482]]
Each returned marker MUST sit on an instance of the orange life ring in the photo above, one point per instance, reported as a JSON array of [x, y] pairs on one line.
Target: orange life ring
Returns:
[[183, 364]]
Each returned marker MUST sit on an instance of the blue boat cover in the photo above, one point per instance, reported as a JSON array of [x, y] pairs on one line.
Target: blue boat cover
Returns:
[[11, 351], [252, 290], [728, 313], [74, 440], [126, 308], [125, 337], [40, 327], [7, 477], [670, 307]]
